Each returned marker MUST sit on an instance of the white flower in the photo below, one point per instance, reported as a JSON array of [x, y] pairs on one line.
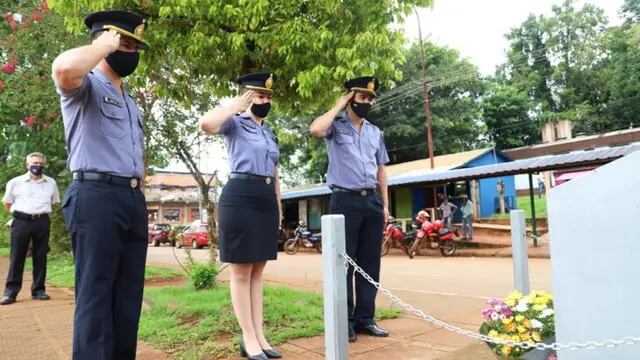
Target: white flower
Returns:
[[545, 313], [522, 306], [536, 324], [495, 316], [503, 316]]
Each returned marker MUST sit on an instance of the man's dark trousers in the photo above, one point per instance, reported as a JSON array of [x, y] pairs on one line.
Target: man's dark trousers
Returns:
[[108, 227], [364, 224], [23, 231]]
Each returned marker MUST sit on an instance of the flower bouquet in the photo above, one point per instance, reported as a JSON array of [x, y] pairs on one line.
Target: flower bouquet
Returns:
[[521, 318]]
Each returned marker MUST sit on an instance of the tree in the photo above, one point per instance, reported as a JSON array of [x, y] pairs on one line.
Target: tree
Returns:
[[558, 61], [506, 115], [30, 36], [174, 132]]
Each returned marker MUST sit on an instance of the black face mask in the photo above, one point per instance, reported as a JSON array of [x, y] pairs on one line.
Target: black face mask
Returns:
[[261, 110], [36, 170], [123, 63], [360, 109]]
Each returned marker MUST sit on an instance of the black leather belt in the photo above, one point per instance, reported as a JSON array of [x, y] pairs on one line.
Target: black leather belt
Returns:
[[29, 217], [252, 177], [131, 182], [361, 192]]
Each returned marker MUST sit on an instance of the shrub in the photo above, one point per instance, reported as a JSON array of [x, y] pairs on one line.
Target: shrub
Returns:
[[203, 276]]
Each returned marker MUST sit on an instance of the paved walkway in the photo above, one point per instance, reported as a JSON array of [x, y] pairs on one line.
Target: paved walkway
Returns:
[[34, 330], [42, 330]]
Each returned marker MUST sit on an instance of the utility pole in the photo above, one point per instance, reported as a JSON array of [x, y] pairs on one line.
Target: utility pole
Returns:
[[426, 103], [427, 109]]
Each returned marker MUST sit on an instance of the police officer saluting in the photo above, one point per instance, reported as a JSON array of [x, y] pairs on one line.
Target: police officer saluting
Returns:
[[104, 207], [249, 205], [29, 197], [357, 176]]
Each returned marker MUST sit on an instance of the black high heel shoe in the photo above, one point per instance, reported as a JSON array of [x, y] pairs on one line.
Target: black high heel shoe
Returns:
[[244, 353], [272, 353]]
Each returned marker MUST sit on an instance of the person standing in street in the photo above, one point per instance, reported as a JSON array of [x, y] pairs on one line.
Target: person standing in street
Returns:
[[467, 218], [252, 195], [358, 179], [29, 198], [104, 208]]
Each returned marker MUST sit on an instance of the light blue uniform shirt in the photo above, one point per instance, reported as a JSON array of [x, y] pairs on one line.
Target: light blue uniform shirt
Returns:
[[103, 128], [253, 149], [354, 156]]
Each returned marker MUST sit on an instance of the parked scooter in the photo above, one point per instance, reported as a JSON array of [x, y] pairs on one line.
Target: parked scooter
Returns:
[[303, 237], [436, 236], [393, 234]]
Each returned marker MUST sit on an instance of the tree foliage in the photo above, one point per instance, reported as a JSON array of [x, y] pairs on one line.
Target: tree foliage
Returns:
[[312, 46]]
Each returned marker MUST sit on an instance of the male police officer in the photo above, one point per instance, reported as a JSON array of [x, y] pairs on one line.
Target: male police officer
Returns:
[[29, 197], [358, 178], [104, 208]]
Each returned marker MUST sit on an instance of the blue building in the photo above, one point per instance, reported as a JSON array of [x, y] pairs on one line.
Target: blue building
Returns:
[[412, 188]]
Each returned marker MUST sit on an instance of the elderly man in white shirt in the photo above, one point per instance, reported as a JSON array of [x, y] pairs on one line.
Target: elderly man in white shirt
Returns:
[[30, 198]]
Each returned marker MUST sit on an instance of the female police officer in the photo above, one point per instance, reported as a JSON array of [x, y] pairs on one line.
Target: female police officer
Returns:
[[249, 207]]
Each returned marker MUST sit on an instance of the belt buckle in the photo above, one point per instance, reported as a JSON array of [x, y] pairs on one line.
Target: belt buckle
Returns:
[[363, 192], [267, 180], [133, 183], [35, 216]]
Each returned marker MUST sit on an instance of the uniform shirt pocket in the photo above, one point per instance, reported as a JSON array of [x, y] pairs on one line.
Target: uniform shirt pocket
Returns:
[[344, 138], [113, 124], [250, 130]]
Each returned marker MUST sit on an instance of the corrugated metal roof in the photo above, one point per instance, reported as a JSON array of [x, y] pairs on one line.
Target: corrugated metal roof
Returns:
[[542, 163]]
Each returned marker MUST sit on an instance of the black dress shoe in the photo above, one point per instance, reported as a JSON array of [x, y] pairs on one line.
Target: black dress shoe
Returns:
[[244, 353], [272, 353], [372, 329], [352, 334], [7, 300], [41, 296]]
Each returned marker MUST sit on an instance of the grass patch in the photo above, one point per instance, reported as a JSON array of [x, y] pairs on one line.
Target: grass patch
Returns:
[[60, 272], [201, 324], [524, 203]]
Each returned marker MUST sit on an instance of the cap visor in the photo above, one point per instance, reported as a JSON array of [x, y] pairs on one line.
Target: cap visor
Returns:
[[143, 44], [259, 88], [364, 90]]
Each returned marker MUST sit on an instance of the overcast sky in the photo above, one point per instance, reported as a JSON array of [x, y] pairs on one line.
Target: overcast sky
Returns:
[[477, 28]]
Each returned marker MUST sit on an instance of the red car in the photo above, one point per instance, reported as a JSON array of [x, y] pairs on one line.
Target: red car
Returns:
[[195, 236], [159, 234]]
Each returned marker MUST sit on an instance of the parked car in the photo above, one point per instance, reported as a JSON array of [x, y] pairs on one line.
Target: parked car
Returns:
[[195, 236], [159, 234]]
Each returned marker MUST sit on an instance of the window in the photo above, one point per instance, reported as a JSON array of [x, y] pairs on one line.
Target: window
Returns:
[[457, 188], [171, 214], [195, 214]]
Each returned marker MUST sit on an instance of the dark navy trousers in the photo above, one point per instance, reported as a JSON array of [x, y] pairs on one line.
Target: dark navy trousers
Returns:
[[364, 224], [108, 227], [23, 232]]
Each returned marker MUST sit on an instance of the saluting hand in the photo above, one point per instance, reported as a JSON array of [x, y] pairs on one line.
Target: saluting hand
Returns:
[[242, 102], [344, 100], [109, 40]]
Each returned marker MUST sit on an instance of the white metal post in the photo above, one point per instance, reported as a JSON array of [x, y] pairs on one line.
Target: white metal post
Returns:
[[335, 288], [520, 259]]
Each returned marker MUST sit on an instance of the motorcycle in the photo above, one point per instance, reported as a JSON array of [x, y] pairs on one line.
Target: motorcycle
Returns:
[[303, 237], [393, 234], [437, 238]]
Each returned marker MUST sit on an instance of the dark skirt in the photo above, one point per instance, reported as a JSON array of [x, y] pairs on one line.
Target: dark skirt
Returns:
[[248, 222]]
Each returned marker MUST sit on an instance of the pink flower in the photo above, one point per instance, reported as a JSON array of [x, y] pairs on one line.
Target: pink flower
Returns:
[[9, 67], [28, 121], [36, 17]]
